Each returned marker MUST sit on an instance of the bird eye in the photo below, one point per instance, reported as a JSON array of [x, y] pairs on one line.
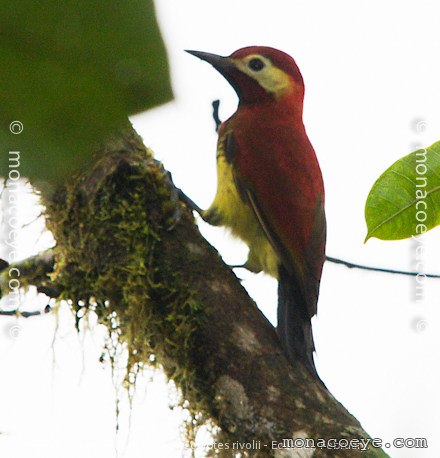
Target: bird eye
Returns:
[[256, 64]]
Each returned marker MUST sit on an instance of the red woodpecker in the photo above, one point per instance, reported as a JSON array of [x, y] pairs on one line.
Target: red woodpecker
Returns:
[[270, 191]]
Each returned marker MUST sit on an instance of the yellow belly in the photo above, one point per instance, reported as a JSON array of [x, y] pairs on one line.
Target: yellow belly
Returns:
[[229, 210]]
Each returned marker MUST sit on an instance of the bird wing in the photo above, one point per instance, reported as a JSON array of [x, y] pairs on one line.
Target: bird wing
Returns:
[[281, 180]]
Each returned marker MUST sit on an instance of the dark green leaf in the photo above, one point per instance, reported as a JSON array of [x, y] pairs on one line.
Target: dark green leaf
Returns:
[[71, 71]]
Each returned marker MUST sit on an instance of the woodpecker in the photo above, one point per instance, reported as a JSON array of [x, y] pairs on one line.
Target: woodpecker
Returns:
[[270, 191]]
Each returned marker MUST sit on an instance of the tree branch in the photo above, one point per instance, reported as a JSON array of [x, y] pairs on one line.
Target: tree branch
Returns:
[[25, 314], [35, 270], [352, 265], [127, 247]]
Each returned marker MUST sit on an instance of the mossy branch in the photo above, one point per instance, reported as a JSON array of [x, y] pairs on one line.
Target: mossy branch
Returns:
[[128, 249], [32, 271]]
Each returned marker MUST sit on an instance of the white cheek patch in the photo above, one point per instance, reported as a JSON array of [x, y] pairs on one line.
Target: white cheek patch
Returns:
[[270, 78]]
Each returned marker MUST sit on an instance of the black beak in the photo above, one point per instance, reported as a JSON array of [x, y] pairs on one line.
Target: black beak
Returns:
[[223, 64]]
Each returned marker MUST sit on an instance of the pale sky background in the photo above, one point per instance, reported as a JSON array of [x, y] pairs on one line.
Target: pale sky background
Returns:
[[372, 76]]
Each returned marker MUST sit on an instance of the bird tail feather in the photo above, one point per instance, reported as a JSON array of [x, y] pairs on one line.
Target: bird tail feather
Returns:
[[294, 326]]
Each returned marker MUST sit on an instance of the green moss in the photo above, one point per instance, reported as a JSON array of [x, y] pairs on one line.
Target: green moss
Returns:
[[109, 225], [33, 271]]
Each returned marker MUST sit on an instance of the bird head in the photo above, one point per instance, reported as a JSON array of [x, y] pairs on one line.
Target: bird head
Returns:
[[258, 73]]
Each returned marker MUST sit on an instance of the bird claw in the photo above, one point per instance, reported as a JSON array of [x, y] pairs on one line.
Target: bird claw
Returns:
[[246, 266], [189, 202]]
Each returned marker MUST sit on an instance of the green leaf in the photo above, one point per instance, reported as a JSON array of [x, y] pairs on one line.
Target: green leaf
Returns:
[[71, 71], [405, 200]]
